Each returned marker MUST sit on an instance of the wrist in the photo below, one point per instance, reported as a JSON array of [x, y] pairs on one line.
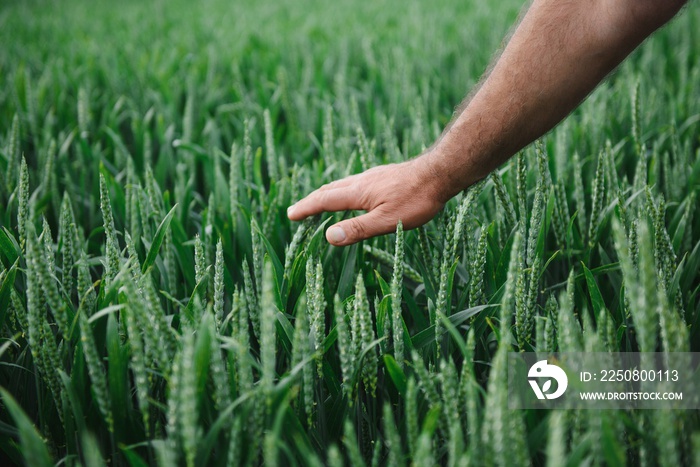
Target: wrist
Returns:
[[445, 176]]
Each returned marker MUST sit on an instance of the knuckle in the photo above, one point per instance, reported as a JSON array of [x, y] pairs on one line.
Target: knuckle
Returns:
[[316, 197], [329, 186], [323, 198], [356, 230]]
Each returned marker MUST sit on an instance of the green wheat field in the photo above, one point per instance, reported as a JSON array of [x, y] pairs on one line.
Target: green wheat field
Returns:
[[157, 307]]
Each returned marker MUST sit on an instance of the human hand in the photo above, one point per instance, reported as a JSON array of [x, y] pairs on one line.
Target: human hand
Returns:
[[408, 191]]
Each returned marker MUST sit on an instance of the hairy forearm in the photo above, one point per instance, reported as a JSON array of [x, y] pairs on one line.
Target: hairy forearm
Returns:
[[557, 55]]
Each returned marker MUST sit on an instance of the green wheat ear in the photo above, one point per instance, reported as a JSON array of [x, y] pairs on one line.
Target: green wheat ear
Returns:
[[328, 136], [210, 245], [411, 416], [301, 349], [291, 250], [23, 202], [477, 270], [453, 238], [138, 356], [251, 301], [364, 335], [579, 196], [640, 285], [451, 406], [270, 153], [509, 298], [173, 427], [425, 379], [200, 262], [570, 334], [244, 370], [268, 335], [46, 267], [505, 203], [112, 264], [556, 446], [40, 336], [219, 284], [523, 317], [561, 216], [234, 182], [392, 437], [219, 371], [95, 369], [83, 113], [67, 234], [503, 434], [351, 444], [132, 200], [396, 287], [316, 309], [597, 200], [521, 186]]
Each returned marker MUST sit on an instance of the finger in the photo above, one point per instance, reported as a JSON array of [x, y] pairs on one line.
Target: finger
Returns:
[[336, 184], [342, 183], [328, 200], [359, 228]]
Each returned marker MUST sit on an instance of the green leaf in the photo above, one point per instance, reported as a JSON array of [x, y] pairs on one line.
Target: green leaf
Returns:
[[6, 291], [580, 451], [257, 172], [279, 267], [117, 374], [189, 309], [294, 285], [614, 453], [202, 351], [74, 400], [547, 263], [222, 420], [314, 242], [346, 283], [594, 291], [688, 268], [427, 336], [106, 311], [117, 140], [34, 449], [396, 374], [449, 327], [450, 286], [382, 314], [8, 343], [285, 330], [330, 339], [431, 420], [191, 147], [386, 288], [91, 450], [501, 271], [158, 240], [134, 459], [9, 246], [361, 357]]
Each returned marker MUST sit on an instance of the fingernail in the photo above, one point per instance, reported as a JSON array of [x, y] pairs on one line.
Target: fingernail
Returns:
[[336, 235], [290, 210]]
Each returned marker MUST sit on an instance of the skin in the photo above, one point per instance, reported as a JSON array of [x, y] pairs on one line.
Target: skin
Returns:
[[560, 51]]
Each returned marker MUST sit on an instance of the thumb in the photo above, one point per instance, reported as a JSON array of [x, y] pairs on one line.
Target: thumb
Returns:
[[360, 228]]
